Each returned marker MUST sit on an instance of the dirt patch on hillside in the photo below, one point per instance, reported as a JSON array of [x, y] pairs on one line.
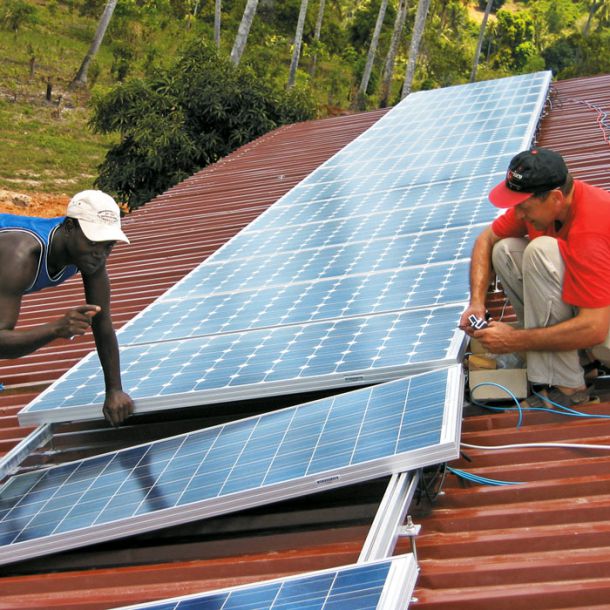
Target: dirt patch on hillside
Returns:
[[33, 204]]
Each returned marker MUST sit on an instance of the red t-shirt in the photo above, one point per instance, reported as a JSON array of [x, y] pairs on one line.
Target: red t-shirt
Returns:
[[584, 243]]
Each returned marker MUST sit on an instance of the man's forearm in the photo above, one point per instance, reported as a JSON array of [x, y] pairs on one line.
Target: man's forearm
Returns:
[[108, 352], [568, 335], [480, 270], [17, 343]]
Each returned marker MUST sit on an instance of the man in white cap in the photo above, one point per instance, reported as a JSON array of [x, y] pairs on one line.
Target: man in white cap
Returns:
[[37, 253], [551, 250]]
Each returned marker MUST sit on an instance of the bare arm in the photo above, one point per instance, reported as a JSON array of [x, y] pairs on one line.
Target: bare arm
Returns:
[[480, 276], [117, 405], [588, 328], [18, 263]]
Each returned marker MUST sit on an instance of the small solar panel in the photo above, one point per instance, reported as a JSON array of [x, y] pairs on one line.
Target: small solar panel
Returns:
[[380, 585], [268, 362], [342, 281], [355, 436]]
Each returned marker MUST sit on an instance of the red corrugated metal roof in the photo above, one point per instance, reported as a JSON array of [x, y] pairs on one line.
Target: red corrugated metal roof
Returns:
[[543, 544]]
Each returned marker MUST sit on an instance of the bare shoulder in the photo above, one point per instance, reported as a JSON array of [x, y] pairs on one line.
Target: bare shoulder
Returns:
[[19, 255]]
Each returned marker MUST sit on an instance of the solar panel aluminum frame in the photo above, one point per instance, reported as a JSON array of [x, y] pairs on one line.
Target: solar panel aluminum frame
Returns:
[[447, 449], [353, 379], [396, 594]]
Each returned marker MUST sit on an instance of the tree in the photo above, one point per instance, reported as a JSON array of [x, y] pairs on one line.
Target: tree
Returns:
[[316, 36], [298, 39], [185, 117], [81, 75], [370, 58], [513, 33], [390, 60], [579, 55], [217, 14], [14, 14], [418, 31], [495, 4], [594, 6], [243, 31], [477, 53]]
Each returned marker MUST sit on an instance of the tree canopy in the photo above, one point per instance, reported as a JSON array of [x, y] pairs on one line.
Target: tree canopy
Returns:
[[184, 117]]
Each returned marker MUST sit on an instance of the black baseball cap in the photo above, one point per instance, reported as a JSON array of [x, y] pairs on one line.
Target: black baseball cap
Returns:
[[529, 173]]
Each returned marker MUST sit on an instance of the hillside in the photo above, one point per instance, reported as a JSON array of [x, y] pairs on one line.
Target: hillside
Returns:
[[49, 151]]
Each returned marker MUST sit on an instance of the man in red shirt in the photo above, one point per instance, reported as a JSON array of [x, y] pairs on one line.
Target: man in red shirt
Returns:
[[551, 250]]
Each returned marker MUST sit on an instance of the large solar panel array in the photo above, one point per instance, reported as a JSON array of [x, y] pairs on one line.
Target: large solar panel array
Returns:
[[356, 436], [358, 274], [380, 585]]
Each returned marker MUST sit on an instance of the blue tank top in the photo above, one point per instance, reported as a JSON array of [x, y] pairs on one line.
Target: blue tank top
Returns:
[[42, 229]]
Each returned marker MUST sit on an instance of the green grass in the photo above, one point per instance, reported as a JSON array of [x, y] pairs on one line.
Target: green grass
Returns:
[[48, 147]]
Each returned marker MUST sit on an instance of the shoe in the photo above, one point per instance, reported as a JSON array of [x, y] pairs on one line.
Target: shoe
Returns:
[[553, 397]]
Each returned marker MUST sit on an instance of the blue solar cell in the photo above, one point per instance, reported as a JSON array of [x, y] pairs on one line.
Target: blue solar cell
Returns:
[[353, 436], [357, 587]]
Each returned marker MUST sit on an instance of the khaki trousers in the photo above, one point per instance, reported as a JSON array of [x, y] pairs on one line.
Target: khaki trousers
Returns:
[[532, 277]]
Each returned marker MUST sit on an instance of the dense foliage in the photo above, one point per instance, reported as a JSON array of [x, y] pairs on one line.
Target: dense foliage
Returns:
[[183, 117]]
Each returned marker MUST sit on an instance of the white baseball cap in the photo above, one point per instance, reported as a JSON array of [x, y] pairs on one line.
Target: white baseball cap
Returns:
[[98, 216]]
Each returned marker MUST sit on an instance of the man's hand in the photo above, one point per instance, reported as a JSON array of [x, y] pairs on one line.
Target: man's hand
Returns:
[[465, 325], [118, 406], [76, 321], [497, 338]]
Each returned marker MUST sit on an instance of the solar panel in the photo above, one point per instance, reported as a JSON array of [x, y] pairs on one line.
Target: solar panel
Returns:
[[380, 585], [173, 317], [355, 436], [378, 235], [276, 361]]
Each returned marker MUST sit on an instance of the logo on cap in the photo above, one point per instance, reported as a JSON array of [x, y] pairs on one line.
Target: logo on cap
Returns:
[[107, 217]]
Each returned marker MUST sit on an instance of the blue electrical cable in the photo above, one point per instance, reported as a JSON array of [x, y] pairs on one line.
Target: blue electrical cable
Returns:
[[475, 478], [505, 389], [563, 410]]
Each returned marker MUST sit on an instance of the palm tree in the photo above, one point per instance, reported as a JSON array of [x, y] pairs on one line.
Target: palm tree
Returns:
[[298, 40], [217, 7], [477, 53], [243, 31], [316, 36], [594, 6], [370, 58], [388, 69], [81, 76], [418, 31]]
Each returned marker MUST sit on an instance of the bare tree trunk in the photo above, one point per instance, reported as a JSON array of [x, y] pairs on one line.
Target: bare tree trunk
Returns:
[[243, 31], [298, 40], [316, 36], [592, 9], [390, 60], [477, 53], [81, 75], [418, 32], [217, 7], [370, 58]]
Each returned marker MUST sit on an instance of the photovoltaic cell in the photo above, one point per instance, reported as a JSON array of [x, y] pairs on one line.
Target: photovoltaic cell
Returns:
[[296, 301], [381, 585], [355, 436]]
